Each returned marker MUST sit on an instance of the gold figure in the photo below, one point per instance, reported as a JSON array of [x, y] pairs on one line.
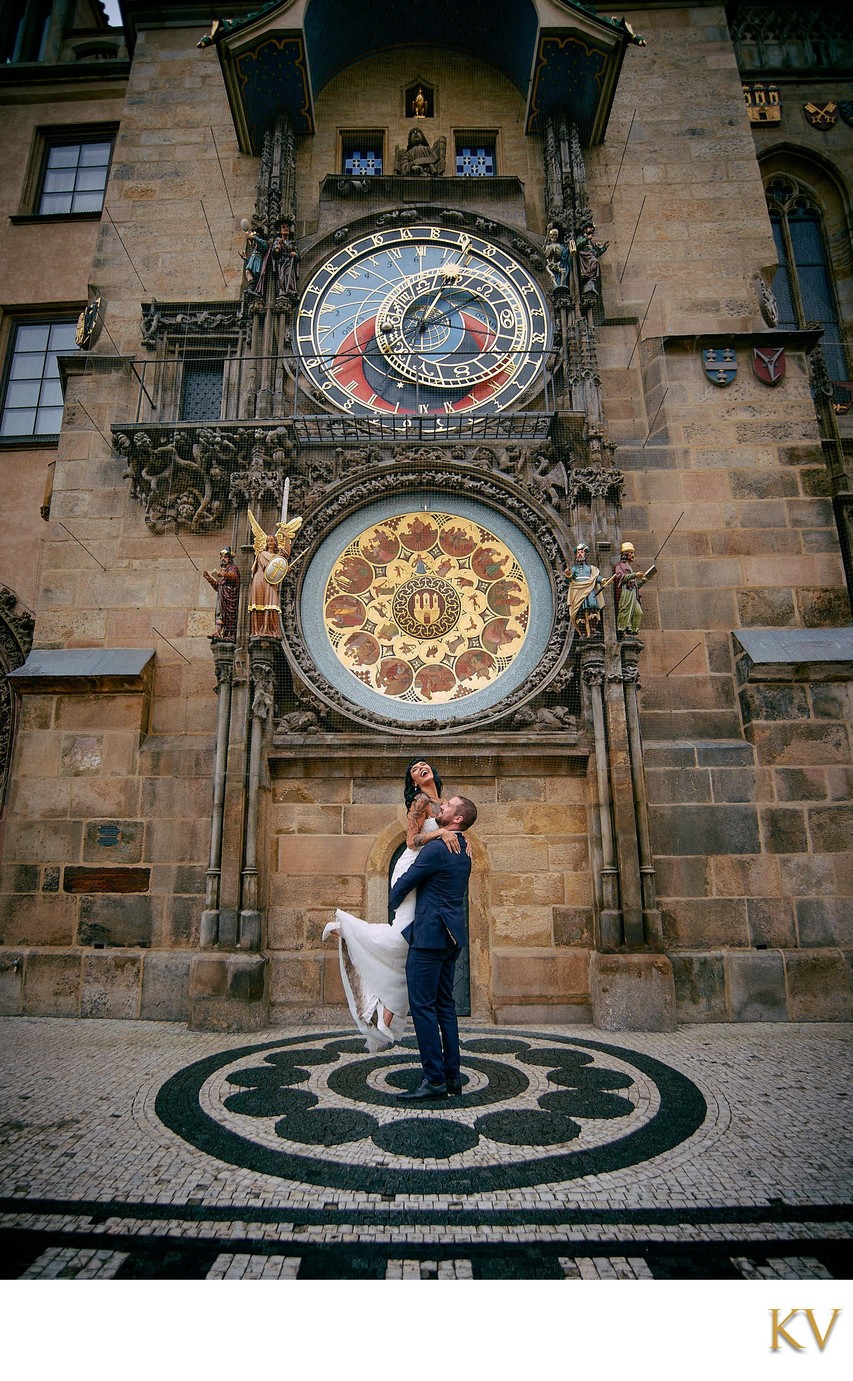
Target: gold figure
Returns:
[[271, 566], [419, 105]]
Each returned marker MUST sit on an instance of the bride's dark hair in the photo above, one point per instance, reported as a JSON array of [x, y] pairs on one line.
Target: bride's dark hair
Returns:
[[410, 790]]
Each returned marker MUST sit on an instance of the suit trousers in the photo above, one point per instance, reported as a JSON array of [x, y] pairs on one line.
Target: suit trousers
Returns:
[[429, 975]]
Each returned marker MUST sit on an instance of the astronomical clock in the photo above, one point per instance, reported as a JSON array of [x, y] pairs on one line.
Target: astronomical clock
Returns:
[[422, 321], [426, 596]]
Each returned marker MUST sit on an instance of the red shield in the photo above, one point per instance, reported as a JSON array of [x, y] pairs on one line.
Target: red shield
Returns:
[[769, 365]]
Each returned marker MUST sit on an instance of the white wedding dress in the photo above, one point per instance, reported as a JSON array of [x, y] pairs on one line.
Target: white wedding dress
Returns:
[[373, 960]]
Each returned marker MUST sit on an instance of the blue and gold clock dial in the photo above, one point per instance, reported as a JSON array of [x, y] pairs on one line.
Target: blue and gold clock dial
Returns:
[[422, 321]]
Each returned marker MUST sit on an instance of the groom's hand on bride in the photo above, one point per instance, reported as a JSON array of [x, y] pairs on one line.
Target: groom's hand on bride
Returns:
[[451, 839]]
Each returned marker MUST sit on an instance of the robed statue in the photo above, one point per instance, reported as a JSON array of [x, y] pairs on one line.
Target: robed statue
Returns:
[[272, 552]]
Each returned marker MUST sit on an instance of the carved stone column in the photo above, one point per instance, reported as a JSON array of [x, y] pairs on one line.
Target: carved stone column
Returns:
[[261, 654], [223, 658], [652, 925], [610, 925], [566, 207], [269, 306]]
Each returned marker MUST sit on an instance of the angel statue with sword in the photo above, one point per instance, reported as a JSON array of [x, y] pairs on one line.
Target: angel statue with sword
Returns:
[[270, 567]]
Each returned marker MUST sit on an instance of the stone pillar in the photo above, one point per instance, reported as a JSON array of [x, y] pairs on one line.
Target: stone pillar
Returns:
[[223, 657], [261, 652], [610, 923], [652, 924], [229, 984]]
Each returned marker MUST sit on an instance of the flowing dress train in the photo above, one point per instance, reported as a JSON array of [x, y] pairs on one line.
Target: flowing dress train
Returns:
[[373, 960]]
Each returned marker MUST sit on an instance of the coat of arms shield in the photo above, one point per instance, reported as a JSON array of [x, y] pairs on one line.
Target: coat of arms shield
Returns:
[[768, 365], [821, 117], [720, 364]]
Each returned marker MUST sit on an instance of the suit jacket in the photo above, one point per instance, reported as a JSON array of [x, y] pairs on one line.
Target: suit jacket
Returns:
[[441, 878]]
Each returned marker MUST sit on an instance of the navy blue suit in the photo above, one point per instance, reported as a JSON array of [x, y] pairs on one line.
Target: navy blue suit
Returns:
[[435, 939]]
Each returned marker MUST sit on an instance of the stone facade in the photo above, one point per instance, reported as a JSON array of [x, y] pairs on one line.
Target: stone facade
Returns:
[[673, 847]]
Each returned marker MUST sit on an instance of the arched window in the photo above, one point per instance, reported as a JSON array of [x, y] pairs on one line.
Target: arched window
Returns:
[[803, 286]]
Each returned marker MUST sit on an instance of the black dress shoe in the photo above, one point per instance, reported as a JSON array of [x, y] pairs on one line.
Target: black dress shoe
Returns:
[[454, 1085], [424, 1090]]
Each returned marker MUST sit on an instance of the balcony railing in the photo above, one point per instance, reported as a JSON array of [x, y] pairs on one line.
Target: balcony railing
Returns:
[[275, 388]]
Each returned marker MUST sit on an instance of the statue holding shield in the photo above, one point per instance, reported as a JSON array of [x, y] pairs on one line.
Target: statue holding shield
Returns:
[[270, 567]]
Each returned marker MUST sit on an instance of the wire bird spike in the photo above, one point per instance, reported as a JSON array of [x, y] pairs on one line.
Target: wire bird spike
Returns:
[[186, 554], [171, 644], [81, 544], [219, 161], [684, 658], [669, 534], [213, 242], [94, 423], [124, 247], [624, 151]]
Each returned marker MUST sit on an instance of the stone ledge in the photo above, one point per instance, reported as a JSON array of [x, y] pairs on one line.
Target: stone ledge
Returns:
[[794, 654], [81, 670]]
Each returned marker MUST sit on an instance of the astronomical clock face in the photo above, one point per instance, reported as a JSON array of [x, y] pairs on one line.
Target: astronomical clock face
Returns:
[[427, 613], [422, 321]]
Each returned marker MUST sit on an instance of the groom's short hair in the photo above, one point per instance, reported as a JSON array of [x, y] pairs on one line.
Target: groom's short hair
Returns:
[[467, 812]]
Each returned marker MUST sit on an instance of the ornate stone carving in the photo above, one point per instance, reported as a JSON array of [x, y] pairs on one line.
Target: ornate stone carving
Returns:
[[299, 722], [182, 480], [165, 322], [191, 477], [547, 719], [767, 303], [16, 639], [263, 689], [223, 662], [260, 481], [420, 158], [593, 674], [595, 483]]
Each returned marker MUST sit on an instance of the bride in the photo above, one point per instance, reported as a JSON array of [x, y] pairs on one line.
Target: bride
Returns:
[[373, 957]]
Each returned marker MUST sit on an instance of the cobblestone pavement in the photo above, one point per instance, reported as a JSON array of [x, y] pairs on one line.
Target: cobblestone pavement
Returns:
[[134, 1150]]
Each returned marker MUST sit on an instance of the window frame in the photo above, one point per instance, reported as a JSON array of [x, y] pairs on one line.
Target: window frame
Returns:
[[46, 138], [217, 360], [804, 199], [16, 320], [349, 136], [486, 138]]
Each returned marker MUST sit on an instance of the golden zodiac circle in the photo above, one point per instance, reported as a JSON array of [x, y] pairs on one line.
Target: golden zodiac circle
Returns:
[[426, 607]]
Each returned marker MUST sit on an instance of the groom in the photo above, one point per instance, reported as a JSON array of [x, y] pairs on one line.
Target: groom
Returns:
[[435, 939]]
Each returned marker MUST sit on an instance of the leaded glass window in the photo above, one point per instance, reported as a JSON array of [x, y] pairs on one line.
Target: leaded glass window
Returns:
[[803, 285], [362, 155], [475, 160], [201, 392]]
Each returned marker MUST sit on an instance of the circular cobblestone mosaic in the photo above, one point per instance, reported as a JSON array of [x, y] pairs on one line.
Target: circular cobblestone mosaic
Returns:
[[535, 1109]]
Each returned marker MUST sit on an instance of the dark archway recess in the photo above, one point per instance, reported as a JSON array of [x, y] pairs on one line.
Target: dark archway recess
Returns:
[[273, 63]]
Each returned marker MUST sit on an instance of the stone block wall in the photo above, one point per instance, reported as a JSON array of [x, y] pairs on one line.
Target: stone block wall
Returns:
[[333, 828], [471, 97], [103, 878]]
